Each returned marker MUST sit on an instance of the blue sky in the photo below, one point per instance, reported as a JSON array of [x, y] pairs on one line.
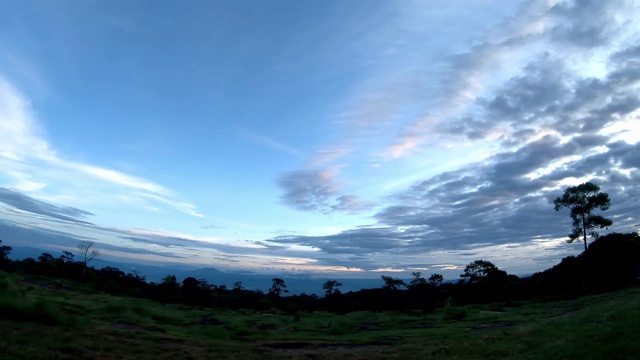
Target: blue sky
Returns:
[[336, 138]]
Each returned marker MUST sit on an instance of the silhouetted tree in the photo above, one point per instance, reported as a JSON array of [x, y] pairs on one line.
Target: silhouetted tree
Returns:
[[435, 279], [4, 252], [46, 258], [87, 252], [331, 287], [190, 285], [66, 257], [392, 283], [169, 288], [583, 200], [237, 286], [4, 255], [478, 270], [417, 280], [278, 287]]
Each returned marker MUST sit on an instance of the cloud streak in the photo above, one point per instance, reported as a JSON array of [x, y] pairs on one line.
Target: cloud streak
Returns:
[[31, 163], [26, 203]]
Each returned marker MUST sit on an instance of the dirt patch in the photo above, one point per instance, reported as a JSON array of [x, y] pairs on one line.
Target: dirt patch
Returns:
[[290, 345], [135, 327], [210, 320], [421, 325], [311, 345], [369, 325], [494, 325]]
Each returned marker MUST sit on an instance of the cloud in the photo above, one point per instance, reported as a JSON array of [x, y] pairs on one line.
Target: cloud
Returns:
[[551, 118], [33, 165], [473, 101], [585, 23], [273, 144], [26, 203], [114, 177], [315, 190], [494, 202], [553, 123]]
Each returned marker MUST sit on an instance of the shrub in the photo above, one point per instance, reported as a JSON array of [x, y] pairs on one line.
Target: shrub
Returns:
[[114, 308], [341, 327], [454, 313]]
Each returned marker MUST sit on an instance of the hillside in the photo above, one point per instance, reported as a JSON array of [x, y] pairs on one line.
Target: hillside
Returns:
[[52, 319]]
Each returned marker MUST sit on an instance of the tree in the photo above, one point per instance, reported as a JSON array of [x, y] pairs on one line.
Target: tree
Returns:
[[46, 258], [87, 252], [478, 270], [435, 279], [190, 285], [66, 257], [237, 286], [392, 283], [583, 200], [417, 281], [4, 251], [278, 287], [331, 287], [169, 286]]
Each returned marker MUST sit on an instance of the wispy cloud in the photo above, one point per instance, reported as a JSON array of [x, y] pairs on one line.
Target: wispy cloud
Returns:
[[273, 144], [28, 159], [26, 203]]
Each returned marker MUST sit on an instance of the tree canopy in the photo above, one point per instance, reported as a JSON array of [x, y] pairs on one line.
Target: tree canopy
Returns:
[[4, 252], [331, 287], [278, 287], [478, 270], [583, 200], [391, 283]]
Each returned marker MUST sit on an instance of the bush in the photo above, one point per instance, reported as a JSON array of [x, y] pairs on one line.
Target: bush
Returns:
[[341, 327], [454, 313], [114, 308], [39, 311]]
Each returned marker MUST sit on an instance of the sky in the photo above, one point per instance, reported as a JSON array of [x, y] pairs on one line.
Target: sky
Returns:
[[326, 138]]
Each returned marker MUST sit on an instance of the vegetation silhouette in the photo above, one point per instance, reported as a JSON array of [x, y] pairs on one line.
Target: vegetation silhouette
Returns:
[[611, 262], [583, 200], [479, 270]]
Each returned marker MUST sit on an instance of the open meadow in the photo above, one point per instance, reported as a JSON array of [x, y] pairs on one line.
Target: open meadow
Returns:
[[51, 319]]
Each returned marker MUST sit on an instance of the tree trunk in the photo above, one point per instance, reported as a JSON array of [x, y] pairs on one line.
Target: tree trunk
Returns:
[[584, 232]]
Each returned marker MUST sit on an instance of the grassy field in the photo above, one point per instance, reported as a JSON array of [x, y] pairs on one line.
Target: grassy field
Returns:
[[45, 319]]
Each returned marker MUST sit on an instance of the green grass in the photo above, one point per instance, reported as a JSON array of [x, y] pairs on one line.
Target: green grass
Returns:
[[38, 321]]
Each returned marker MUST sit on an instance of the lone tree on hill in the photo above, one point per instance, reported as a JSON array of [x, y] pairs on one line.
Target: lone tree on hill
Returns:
[[87, 253], [583, 200], [478, 270]]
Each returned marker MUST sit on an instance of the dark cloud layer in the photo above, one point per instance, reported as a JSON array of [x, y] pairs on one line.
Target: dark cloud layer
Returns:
[[26, 203]]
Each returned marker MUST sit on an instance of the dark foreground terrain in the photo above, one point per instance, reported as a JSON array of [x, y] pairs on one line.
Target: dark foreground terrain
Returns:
[[44, 318]]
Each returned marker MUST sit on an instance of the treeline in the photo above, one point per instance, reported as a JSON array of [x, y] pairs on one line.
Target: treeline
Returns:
[[610, 263]]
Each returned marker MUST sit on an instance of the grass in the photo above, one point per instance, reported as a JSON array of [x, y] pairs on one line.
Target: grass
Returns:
[[73, 324]]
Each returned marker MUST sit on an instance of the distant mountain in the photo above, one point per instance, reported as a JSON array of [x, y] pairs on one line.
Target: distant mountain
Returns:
[[295, 284]]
